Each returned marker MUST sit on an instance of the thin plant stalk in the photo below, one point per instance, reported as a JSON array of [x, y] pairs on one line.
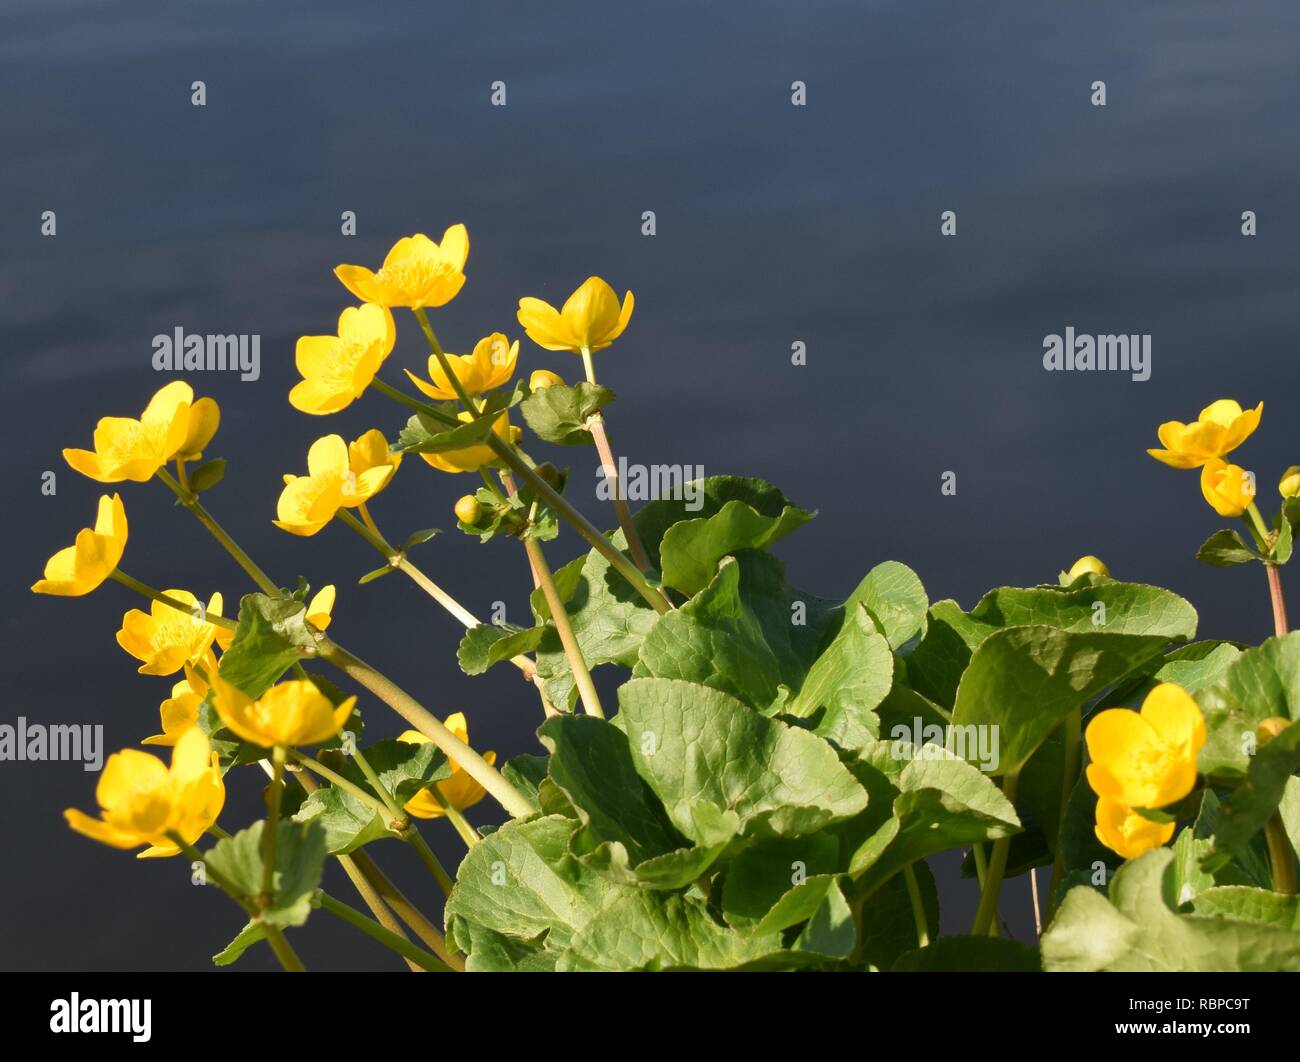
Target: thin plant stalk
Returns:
[[918, 907], [577, 663], [407, 911], [986, 915]]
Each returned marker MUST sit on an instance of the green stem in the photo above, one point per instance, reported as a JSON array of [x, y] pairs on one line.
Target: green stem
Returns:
[[918, 907], [406, 911], [518, 464], [157, 595], [986, 915], [191, 502], [1280, 856], [413, 837], [383, 915], [1073, 727], [560, 616], [348, 786], [396, 813], [455, 817], [1255, 521], [981, 875], [427, 724], [270, 830], [386, 937]]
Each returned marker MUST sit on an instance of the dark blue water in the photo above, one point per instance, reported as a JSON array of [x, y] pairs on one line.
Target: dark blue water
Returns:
[[775, 224]]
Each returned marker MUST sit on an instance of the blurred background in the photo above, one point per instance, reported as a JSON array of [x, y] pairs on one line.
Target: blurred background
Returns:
[[775, 224]]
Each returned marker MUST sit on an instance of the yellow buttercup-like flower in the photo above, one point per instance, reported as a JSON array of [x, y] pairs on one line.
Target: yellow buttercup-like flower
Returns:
[[417, 272], [321, 607], [291, 713], [1125, 832], [544, 378], [1229, 489], [204, 419], [338, 476], [1087, 564], [1146, 759], [1220, 429], [490, 365], [336, 370], [141, 800], [460, 791], [136, 449], [590, 320], [166, 639], [180, 711], [1289, 485], [472, 458], [80, 568]]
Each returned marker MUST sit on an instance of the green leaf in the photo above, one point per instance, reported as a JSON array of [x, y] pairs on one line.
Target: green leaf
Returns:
[[888, 924], [347, 822], [1024, 681], [1253, 802], [697, 746], [419, 538], [522, 883], [246, 938], [424, 434], [404, 767], [894, 596], [623, 823], [489, 644], [831, 930], [1136, 931], [1284, 538], [1244, 904], [377, 573], [559, 414], [1260, 683], [943, 802], [299, 859], [970, 955], [1225, 548], [849, 679], [208, 475], [661, 931], [526, 773], [778, 882], [271, 637], [691, 549]]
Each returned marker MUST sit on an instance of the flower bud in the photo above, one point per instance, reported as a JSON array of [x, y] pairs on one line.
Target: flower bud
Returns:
[[552, 476], [1088, 564], [1290, 485], [1270, 728], [468, 509], [543, 378]]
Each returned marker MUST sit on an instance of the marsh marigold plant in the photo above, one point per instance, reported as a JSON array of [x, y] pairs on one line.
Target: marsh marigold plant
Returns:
[[741, 726]]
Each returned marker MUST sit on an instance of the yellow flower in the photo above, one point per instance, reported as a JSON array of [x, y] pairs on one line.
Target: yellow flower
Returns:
[[1125, 832], [180, 711], [136, 449], [417, 272], [1087, 564], [1146, 759], [591, 319], [490, 365], [78, 569], [544, 378], [292, 713], [166, 639], [204, 419], [460, 791], [1229, 489], [1289, 487], [472, 458], [338, 369], [320, 607], [1220, 429], [468, 509], [141, 800], [338, 476]]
